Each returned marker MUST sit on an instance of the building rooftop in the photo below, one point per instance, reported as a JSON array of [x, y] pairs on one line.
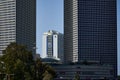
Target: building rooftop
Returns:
[[51, 60], [51, 32]]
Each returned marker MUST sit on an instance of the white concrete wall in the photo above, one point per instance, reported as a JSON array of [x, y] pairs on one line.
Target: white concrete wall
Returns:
[[44, 46], [55, 46]]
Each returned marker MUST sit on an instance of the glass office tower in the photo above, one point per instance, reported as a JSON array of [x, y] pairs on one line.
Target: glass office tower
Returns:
[[90, 28], [17, 23]]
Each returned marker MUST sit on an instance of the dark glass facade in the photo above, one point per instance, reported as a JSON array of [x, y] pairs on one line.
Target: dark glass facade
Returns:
[[97, 31], [26, 23]]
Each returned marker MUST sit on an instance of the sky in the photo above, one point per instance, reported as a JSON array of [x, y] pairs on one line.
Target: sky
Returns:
[[50, 17]]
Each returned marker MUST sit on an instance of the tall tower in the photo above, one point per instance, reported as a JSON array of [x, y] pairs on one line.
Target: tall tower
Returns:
[[90, 28], [17, 23], [52, 45], [71, 30]]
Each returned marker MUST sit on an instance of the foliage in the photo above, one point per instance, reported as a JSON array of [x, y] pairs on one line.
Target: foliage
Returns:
[[47, 76], [44, 71], [19, 63], [118, 77], [77, 77]]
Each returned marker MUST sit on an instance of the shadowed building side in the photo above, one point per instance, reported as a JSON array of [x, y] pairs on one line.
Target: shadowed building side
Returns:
[[90, 28]]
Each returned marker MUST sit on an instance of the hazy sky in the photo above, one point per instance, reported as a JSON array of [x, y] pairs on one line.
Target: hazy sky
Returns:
[[50, 17]]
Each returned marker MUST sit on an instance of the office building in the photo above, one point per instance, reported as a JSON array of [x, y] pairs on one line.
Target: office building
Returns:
[[90, 31], [52, 45], [18, 23], [84, 70]]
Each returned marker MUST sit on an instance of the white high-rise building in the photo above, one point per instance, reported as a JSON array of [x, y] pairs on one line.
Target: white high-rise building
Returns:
[[52, 45]]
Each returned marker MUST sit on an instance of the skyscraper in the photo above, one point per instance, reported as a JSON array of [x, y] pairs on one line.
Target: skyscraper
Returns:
[[90, 28], [52, 45], [17, 23]]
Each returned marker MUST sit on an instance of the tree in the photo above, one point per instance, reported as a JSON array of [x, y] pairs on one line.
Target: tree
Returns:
[[19, 64], [118, 77], [44, 71], [47, 76], [18, 61], [77, 77]]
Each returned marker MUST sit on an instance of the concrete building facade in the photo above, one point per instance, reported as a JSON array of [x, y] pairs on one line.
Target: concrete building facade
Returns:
[[17, 23], [52, 45]]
